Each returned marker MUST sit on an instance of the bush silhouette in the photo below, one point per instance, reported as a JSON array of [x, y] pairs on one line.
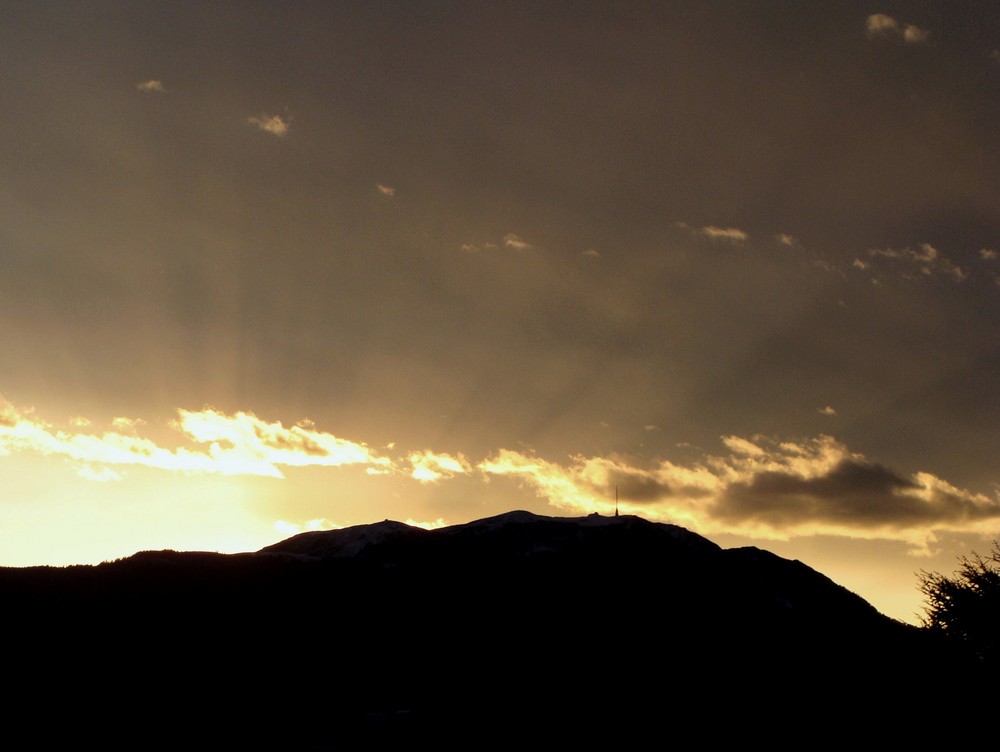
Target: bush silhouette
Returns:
[[965, 607]]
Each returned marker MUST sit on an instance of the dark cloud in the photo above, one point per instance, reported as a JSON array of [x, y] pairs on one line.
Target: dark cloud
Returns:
[[854, 493], [638, 488], [645, 489]]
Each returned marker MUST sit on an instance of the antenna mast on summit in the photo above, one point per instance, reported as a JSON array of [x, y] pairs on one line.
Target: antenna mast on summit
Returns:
[[616, 501]]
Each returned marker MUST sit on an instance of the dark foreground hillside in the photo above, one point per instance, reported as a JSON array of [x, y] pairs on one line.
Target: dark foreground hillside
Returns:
[[515, 629]]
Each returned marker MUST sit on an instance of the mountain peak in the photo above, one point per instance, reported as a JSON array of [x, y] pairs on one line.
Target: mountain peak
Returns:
[[343, 542]]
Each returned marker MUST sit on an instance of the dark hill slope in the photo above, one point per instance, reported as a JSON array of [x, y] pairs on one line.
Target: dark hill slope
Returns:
[[575, 628]]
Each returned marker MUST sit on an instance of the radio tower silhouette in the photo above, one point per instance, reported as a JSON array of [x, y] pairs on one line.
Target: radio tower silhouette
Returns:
[[616, 501]]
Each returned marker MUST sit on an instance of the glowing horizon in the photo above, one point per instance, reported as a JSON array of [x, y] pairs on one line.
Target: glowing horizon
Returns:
[[763, 489]]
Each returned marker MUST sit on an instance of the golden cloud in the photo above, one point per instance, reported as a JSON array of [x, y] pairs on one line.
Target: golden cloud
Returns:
[[239, 444], [150, 86], [429, 466], [882, 25], [273, 124], [759, 487], [762, 489], [732, 234]]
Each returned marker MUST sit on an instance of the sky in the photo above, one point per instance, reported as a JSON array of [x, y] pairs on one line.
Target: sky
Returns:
[[268, 267]]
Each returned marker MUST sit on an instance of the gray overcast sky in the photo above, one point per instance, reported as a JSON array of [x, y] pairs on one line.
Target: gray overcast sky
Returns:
[[739, 259]]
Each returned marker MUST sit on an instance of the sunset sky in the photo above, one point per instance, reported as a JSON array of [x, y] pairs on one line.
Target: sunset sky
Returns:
[[268, 267]]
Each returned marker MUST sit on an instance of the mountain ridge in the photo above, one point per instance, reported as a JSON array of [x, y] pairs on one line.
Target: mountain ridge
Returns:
[[514, 623], [351, 540]]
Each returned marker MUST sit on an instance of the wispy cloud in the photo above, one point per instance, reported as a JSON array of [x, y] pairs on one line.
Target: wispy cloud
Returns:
[[243, 437], [987, 254], [925, 257], [732, 234], [385, 190], [238, 444], [510, 240], [513, 241], [273, 124], [728, 234], [882, 25], [151, 86], [581, 487], [914, 35], [785, 239], [429, 466], [435, 525], [592, 253], [827, 410]]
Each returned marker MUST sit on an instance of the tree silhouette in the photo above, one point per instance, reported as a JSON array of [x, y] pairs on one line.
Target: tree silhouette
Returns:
[[965, 607]]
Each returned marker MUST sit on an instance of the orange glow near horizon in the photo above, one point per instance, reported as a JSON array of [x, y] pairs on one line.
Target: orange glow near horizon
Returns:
[[244, 483]]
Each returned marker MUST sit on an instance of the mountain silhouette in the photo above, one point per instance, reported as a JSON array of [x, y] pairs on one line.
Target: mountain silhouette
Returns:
[[516, 628]]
